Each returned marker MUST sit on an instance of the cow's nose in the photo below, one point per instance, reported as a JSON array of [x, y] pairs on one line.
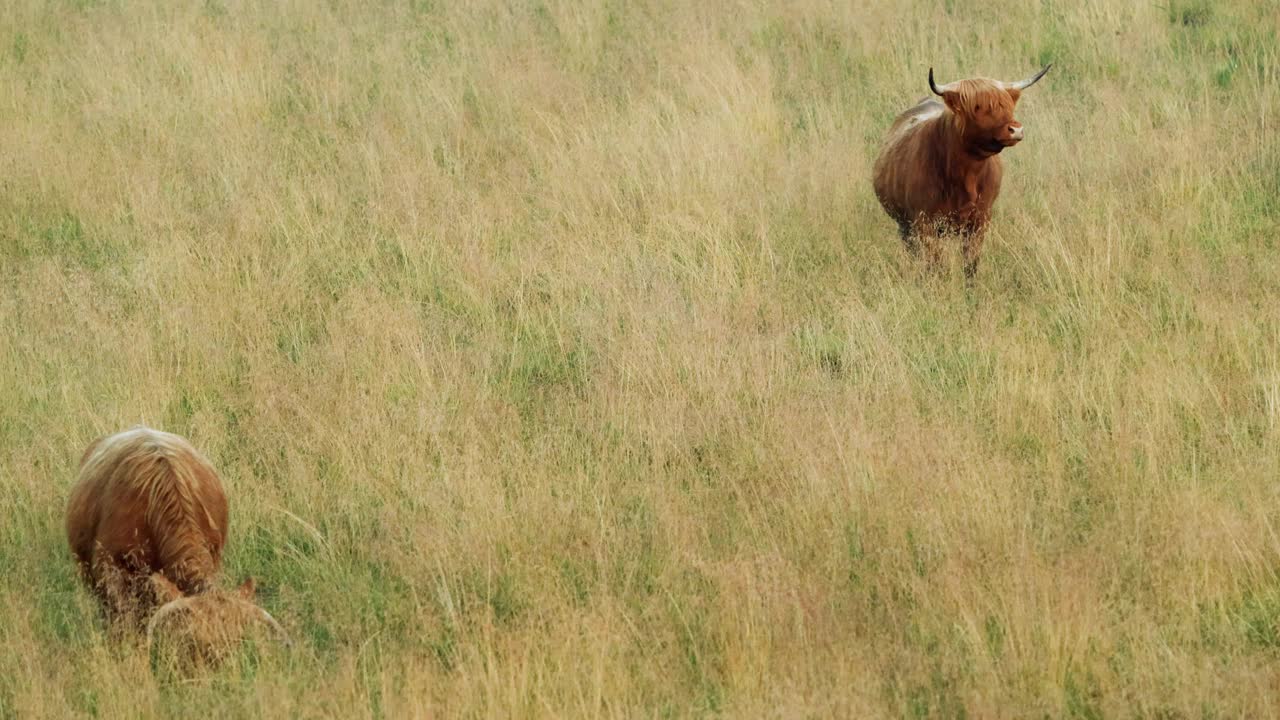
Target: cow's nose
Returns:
[[1015, 132]]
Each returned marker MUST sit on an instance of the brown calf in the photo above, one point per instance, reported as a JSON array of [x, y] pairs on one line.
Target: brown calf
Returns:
[[939, 171]]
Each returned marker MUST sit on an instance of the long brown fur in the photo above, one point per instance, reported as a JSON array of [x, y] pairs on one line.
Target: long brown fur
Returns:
[[145, 502], [939, 172]]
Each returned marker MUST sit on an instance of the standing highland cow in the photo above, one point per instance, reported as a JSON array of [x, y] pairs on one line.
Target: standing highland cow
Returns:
[[939, 172], [147, 521]]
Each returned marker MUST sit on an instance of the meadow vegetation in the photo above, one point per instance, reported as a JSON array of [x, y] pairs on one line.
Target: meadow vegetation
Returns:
[[559, 361]]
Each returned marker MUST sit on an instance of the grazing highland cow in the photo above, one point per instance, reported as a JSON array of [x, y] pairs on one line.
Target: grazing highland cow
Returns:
[[939, 172], [147, 521]]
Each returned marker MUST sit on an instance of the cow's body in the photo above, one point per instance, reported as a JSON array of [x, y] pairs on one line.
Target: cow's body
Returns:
[[939, 171], [953, 189], [145, 502], [147, 521]]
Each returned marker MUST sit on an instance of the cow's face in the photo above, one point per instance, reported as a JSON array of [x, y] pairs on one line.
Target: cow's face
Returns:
[[985, 111], [195, 632], [989, 125]]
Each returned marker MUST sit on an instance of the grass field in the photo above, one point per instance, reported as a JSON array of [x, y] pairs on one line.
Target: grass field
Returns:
[[560, 363]]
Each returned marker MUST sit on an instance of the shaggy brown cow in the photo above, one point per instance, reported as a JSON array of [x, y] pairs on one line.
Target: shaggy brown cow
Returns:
[[147, 521], [939, 171]]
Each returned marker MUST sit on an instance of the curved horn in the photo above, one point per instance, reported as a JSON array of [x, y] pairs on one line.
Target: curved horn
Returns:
[[932, 86], [281, 635], [1024, 84], [167, 609]]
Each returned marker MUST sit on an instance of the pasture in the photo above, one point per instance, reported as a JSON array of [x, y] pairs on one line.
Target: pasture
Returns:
[[559, 361]]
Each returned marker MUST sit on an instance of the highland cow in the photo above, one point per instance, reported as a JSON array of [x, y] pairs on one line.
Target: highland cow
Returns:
[[939, 171], [147, 521]]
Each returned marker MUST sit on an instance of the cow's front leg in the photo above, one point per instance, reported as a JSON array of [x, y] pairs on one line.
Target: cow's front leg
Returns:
[[923, 239], [971, 245], [972, 227], [119, 582], [910, 239], [112, 584]]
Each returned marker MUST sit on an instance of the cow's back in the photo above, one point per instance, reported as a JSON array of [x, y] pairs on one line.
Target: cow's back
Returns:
[[146, 502], [927, 109], [904, 172]]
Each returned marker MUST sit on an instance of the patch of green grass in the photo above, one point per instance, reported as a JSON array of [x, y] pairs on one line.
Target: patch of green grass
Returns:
[[1083, 696], [299, 335], [1190, 13], [61, 236], [824, 347], [1255, 617], [541, 365], [20, 47], [703, 654]]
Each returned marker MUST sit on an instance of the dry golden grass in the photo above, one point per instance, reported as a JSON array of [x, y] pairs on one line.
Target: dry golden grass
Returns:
[[559, 362]]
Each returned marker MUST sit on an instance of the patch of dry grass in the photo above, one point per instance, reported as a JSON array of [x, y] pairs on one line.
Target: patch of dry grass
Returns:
[[559, 361]]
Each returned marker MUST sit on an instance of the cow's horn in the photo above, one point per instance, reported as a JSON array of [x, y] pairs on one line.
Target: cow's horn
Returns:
[[281, 635], [1024, 84], [932, 86]]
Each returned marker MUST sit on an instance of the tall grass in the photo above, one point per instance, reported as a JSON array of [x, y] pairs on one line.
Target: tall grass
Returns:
[[559, 361]]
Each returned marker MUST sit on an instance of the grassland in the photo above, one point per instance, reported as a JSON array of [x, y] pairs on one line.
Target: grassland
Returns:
[[560, 363]]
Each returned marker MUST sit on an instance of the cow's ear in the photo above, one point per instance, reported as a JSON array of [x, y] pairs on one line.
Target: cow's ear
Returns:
[[1014, 93], [163, 589], [247, 588], [953, 101]]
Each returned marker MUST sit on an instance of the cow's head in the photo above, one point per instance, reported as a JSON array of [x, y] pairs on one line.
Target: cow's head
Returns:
[[985, 110], [194, 632]]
